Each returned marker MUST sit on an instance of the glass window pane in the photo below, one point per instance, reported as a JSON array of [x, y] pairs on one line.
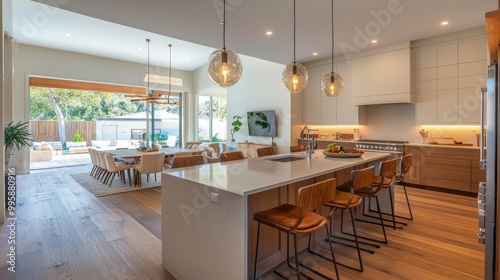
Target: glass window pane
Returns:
[[219, 122], [204, 118]]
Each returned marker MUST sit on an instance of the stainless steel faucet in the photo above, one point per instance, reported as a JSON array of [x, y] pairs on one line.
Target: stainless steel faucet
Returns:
[[309, 146]]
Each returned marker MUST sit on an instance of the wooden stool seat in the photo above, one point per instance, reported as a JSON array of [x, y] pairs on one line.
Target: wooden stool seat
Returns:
[[285, 217], [345, 200]]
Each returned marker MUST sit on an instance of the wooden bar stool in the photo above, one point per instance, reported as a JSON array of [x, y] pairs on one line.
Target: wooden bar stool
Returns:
[[266, 151], [298, 148], [229, 156], [300, 219], [347, 201], [385, 179], [406, 163]]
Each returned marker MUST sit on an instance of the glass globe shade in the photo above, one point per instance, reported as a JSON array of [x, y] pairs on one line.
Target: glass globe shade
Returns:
[[294, 77], [332, 84], [224, 70]]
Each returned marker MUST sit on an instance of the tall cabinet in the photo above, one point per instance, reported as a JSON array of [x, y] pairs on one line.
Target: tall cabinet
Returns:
[[449, 76]]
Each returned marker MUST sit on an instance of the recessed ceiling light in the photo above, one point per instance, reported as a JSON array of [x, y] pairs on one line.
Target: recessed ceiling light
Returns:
[[269, 33], [68, 34], [444, 23], [139, 49], [315, 53], [374, 41], [187, 59]]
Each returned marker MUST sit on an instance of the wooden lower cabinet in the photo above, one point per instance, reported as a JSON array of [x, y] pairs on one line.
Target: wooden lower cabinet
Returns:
[[448, 173], [445, 167], [416, 173]]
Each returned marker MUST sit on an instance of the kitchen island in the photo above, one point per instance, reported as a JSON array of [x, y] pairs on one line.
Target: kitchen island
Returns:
[[207, 210]]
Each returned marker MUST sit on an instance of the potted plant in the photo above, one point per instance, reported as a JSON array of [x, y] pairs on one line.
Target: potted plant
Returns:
[[16, 136], [78, 141], [236, 125]]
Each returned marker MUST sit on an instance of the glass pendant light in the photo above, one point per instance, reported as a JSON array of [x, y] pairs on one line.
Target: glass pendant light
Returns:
[[294, 76], [224, 65], [332, 83]]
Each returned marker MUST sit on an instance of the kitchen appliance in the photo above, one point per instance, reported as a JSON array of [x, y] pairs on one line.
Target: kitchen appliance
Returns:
[[487, 194], [375, 145]]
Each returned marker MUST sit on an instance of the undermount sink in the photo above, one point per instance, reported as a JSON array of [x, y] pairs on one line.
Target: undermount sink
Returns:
[[285, 159]]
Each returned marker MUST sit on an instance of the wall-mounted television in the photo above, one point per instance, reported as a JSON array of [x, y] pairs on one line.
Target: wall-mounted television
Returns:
[[262, 123]]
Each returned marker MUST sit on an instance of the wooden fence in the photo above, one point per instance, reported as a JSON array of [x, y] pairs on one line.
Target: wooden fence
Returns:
[[49, 130]]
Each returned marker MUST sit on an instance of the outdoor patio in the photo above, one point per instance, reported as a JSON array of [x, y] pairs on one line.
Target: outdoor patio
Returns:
[[61, 159]]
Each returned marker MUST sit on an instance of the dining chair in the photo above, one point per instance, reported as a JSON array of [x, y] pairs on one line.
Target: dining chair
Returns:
[[94, 162], [266, 151], [192, 144], [187, 161], [300, 219], [114, 168], [102, 164], [151, 162], [229, 156]]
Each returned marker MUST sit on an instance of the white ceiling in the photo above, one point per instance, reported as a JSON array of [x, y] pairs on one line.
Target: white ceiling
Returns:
[[117, 28]]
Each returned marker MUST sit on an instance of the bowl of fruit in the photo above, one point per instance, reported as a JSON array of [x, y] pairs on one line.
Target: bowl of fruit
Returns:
[[335, 150]]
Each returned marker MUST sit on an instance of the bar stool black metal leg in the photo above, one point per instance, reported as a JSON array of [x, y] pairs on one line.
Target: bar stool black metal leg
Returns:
[[296, 255], [381, 220]]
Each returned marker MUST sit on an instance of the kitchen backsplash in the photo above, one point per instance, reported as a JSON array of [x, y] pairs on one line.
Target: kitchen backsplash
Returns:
[[397, 122]]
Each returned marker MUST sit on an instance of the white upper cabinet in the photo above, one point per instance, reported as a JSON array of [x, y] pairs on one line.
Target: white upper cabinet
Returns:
[[319, 109], [448, 78], [383, 76]]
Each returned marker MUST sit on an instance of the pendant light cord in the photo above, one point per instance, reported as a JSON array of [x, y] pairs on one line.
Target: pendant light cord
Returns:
[[147, 40], [333, 38], [169, 73], [224, 27], [294, 31]]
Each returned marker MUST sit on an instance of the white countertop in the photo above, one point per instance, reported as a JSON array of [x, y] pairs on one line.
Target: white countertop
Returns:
[[441, 146], [245, 177]]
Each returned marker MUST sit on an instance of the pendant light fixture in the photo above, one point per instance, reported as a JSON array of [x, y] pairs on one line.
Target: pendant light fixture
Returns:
[[156, 96], [294, 76], [224, 65], [332, 83]]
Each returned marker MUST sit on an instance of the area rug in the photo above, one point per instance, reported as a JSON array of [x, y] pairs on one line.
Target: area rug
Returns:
[[99, 189]]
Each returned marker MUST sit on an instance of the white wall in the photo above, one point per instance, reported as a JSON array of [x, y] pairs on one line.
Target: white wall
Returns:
[[37, 61], [260, 88], [202, 85]]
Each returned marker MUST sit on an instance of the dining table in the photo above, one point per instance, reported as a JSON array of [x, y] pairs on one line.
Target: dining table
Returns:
[[135, 155]]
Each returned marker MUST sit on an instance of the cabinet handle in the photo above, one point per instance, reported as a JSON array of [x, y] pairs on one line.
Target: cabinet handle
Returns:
[[482, 159]]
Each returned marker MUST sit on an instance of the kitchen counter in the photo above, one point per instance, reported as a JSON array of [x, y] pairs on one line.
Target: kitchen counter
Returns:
[[441, 146], [207, 228]]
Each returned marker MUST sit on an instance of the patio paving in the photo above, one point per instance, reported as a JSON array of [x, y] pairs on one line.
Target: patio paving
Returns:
[[62, 160]]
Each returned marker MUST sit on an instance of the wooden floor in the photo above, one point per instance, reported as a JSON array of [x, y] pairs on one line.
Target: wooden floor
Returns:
[[64, 232]]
